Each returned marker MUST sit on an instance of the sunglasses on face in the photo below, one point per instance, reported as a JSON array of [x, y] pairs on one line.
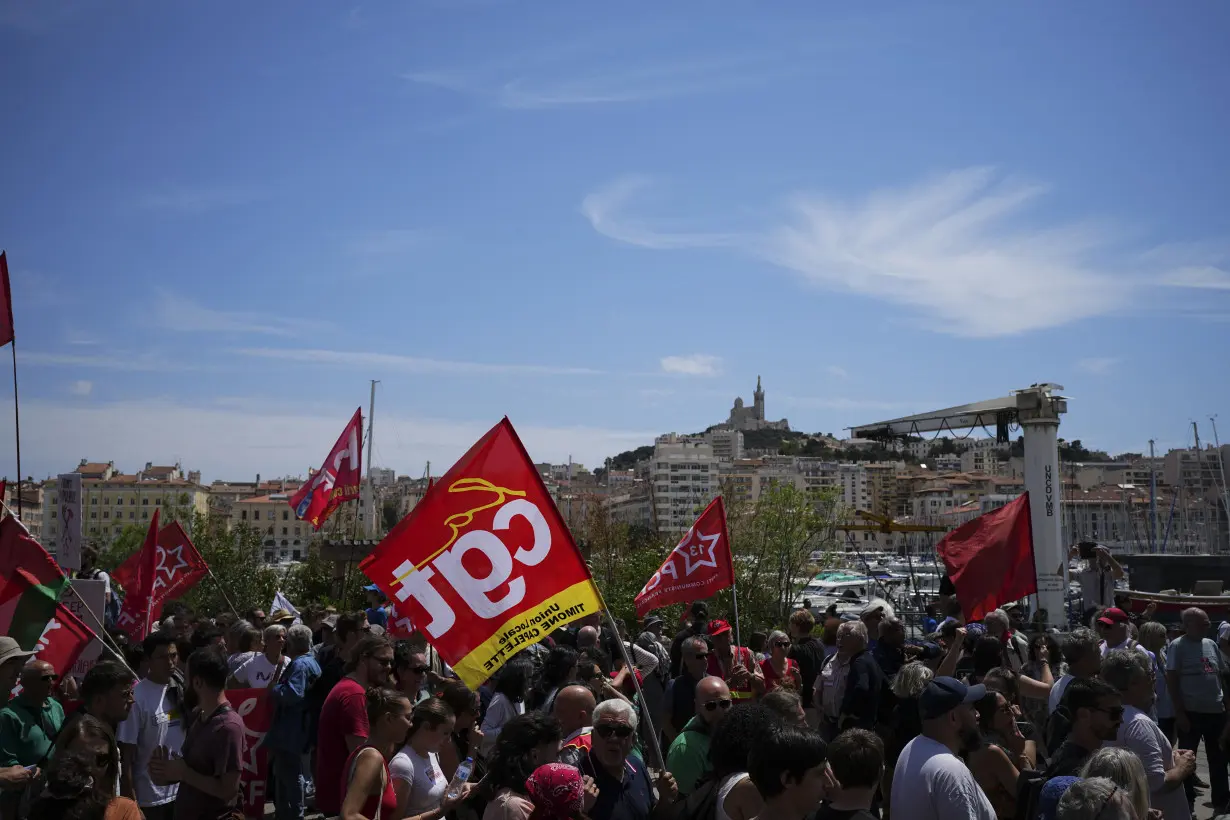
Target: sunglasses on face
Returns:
[[48, 678], [417, 670], [701, 656], [717, 704], [606, 730], [782, 644]]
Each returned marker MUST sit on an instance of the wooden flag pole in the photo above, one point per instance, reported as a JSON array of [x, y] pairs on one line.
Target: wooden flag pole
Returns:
[[647, 719], [221, 589]]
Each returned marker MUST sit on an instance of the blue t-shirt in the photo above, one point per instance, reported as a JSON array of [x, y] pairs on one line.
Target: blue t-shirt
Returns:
[[377, 616], [631, 799]]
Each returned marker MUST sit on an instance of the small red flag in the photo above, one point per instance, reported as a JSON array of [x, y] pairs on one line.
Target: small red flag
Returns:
[[63, 640], [178, 568], [697, 567], [137, 612], [990, 560], [6, 303], [336, 481]]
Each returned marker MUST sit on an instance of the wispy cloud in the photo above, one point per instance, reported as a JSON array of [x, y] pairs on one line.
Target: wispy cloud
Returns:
[[175, 312], [836, 372], [1205, 277], [114, 360], [272, 438], [196, 200], [1098, 365], [698, 364], [389, 362], [575, 77], [81, 387], [952, 249]]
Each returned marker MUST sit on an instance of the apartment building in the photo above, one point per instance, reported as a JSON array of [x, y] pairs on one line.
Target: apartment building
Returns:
[[685, 477], [283, 537], [727, 443]]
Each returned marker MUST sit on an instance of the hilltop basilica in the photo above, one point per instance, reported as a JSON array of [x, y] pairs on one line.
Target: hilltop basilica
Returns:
[[752, 418]]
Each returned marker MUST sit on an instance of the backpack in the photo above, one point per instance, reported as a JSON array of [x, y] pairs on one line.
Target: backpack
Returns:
[[1028, 792], [701, 804]]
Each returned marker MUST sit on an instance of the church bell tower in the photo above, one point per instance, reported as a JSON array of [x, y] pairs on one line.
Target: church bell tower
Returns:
[[758, 403]]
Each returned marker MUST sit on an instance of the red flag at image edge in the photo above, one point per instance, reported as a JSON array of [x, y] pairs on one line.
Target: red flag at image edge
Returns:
[[698, 567], [6, 306], [990, 560]]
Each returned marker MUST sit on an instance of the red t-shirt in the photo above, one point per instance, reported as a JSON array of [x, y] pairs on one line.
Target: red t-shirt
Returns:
[[344, 713], [771, 679], [386, 806]]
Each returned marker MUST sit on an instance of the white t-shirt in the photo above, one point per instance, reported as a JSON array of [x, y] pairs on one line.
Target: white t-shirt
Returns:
[[1052, 700], [239, 659], [426, 779], [258, 671], [931, 783], [1142, 737], [499, 712], [151, 723], [1097, 588]]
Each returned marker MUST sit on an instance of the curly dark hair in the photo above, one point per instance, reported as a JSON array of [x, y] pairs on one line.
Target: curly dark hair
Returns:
[[510, 765], [513, 681], [70, 792], [556, 671], [744, 727]]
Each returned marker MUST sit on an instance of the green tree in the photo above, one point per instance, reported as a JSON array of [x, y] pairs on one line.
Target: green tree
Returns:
[[390, 512]]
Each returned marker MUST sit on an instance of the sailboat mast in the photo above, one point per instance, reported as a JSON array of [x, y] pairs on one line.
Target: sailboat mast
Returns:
[[1221, 468], [1152, 501]]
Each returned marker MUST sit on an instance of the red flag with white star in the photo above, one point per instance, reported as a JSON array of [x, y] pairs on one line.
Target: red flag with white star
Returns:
[[698, 567], [177, 563]]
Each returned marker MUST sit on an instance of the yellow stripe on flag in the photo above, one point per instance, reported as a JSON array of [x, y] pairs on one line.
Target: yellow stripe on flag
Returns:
[[525, 628]]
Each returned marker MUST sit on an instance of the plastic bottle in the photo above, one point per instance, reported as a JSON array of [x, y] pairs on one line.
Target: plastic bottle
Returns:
[[459, 778]]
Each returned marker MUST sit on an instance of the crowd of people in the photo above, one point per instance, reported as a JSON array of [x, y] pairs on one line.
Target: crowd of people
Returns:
[[848, 719]]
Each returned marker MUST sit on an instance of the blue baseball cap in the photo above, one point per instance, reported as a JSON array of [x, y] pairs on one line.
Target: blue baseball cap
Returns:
[[942, 695]]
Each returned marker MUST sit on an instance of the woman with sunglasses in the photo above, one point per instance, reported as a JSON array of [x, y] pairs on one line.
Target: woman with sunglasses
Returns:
[[367, 781], [778, 669], [1001, 756]]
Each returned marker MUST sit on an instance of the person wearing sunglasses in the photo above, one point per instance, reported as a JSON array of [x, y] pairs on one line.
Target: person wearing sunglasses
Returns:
[[625, 790], [1096, 711], [681, 692], [688, 757], [411, 667], [343, 725], [779, 669]]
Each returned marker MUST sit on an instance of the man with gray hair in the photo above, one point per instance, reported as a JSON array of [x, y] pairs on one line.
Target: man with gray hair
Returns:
[[266, 666], [1016, 648], [849, 684], [1131, 673], [290, 732]]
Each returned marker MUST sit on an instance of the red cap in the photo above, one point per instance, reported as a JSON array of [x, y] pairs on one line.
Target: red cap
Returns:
[[718, 627], [1112, 616]]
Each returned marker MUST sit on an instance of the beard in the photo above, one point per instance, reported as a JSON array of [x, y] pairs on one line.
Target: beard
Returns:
[[191, 699]]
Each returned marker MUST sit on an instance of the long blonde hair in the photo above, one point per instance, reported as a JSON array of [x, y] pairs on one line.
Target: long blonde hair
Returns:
[[1124, 769]]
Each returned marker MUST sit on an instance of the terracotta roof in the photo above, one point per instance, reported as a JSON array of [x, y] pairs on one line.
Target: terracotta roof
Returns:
[[160, 470], [93, 467]]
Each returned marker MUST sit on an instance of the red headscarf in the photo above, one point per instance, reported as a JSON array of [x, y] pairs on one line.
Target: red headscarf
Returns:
[[556, 791]]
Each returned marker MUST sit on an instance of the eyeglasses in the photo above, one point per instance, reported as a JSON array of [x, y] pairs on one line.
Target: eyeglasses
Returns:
[[717, 704], [417, 670], [783, 644], [702, 657], [605, 730]]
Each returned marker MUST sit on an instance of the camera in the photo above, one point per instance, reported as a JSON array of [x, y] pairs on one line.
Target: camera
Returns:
[[1088, 549]]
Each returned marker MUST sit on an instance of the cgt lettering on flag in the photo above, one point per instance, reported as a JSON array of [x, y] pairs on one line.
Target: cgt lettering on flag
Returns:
[[337, 481], [485, 566]]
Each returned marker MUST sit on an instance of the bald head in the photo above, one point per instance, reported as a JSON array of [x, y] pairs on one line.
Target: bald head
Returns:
[[574, 708], [712, 699], [587, 636], [37, 680]]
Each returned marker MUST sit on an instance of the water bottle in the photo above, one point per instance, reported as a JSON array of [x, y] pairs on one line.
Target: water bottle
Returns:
[[459, 778]]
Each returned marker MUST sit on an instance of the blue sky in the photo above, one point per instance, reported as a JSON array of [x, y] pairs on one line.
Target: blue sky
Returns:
[[603, 220]]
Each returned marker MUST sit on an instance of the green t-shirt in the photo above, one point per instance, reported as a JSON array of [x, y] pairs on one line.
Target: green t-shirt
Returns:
[[688, 758], [28, 733]]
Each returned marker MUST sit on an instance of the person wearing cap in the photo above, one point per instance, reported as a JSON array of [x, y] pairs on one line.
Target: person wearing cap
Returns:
[[699, 626], [734, 664], [930, 781], [377, 614], [12, 659], [1195, 667], [1114, 627], [283, 617]]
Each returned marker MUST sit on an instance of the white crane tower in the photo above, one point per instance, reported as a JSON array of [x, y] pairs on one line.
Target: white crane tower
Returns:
[[1037, 410]]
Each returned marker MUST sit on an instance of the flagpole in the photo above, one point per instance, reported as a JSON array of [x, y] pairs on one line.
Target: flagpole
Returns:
[[17, 423], [102, 634], [221, 589], [734, 594], [623, 650]]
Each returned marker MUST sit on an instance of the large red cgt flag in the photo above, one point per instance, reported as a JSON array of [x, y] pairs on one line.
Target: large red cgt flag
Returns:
[[990, 560], [336, 481], [484, 565], [177, 568], [6, 305], [697, 567], [137, 612]]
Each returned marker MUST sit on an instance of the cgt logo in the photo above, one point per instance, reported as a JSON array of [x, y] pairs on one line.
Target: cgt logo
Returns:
[[447, 564]]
